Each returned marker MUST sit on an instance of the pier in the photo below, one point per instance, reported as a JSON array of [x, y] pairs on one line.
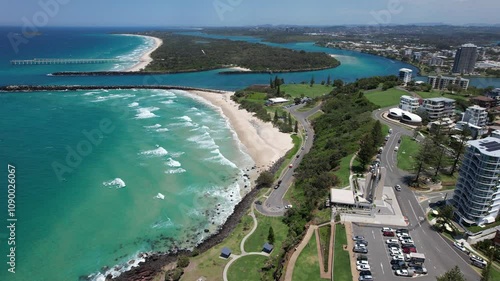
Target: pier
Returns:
[[38, 61]]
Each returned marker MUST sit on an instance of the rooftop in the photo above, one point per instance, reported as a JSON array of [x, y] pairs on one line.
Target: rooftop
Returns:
[[489, 146], [441, 99], [340, 196], [405, 70], [482, 98]]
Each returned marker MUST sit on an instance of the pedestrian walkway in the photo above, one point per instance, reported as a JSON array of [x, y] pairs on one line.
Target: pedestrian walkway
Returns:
[[350, 245]]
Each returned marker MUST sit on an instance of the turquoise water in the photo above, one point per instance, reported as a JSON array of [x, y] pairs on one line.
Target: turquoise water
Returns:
[[75, 215]]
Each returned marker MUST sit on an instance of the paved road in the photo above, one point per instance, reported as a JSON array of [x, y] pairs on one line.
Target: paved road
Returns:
[[274, 205], [441, 256]]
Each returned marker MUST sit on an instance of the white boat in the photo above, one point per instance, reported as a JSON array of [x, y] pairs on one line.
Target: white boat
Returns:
[[160, 196]]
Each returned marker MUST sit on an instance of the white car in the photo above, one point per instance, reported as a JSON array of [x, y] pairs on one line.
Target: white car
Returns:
[[402, 272], [397, 187], [460, 246], [408, 241], [363, 267], [384, 229], [398, 258], [392, 249], [392, 241], [361, 262], [396, 253], [402, 234]]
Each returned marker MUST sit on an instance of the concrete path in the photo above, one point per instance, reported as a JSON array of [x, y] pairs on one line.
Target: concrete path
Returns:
[[350, 245], [242, 247], [291, 263]]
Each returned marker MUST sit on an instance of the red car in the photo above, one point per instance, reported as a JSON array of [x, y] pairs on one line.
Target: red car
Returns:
[[388, 233], [408, 250]]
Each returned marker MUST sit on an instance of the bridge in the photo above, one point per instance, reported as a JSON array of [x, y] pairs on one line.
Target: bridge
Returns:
[[38, 61]]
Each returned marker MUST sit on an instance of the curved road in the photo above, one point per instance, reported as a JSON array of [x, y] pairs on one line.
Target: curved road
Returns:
[[274, 205], [440, 255]]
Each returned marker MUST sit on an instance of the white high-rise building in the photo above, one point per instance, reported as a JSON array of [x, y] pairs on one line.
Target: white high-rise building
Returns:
[[477, 195], [405, 74], [476, 115], [409, 104]]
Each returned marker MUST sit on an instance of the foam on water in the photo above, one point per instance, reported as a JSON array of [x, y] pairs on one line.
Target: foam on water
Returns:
[[155, 126], [146, 113], [113, 96], [172, 163], [204, 141], [118, 269], [160, 151], [185, 118], [175, 171], [220, 159], [117, 183], [162, 130], [176, 154], [163, 224], [134, 104], [167, 102], [90, 93]]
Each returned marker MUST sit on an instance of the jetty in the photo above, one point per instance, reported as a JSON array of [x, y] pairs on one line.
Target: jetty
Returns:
[[47, 61]]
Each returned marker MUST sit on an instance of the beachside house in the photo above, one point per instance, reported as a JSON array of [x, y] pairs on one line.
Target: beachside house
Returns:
[[267, 248], [225, 253]]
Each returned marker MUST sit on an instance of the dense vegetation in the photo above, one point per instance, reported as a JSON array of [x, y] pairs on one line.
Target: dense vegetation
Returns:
[[189, 53], [346, 120]]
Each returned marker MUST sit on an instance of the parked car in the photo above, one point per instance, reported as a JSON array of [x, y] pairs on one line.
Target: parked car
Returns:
[[461, 247], [408, 250], [384, 229], [388, 233], [479, 264], [399, 266], [358, 238], [360, 245], [365, 273], [396, 253], [402, 230], [402, 272], [407, 242], [391, 241], [402, 234], [476, 258], [360, 250], [365, 278], [397, 187], [396, 148], [393, 262], [361, 262], [420, 269], [393, 245], [398, 258], [363, 267]]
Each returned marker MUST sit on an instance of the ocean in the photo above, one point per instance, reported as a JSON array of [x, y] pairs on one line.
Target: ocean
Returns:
[[87, 204]]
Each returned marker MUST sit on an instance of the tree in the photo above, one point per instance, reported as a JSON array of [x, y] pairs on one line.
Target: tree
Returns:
[[425, 156], [328, 80], [276, 117], [446, 212], [296, 129], [311, 83], [289, 120], [271, 84], [453, 274], [459, 147], [270, 235], [366, 150], [183, 261], [377, 136], [265, 179], [486, 272], [338, 83]]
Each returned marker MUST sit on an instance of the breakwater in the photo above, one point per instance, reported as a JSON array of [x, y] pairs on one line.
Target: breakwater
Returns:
[[42, 88]]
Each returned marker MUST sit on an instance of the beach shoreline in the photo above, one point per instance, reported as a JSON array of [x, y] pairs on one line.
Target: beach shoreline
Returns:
[[264, 143], [146, 57]]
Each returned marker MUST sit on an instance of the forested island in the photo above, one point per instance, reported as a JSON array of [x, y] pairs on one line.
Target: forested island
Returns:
[[190, 53]]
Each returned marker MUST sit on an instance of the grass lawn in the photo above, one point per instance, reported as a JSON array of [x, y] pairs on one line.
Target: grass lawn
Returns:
[[315, 115], [307, 265], [208, 264], [437, 94], [385, 130], [307, 107], [324, 238], [494, 274], [342, 263], [385, 98], [297, 142], [295, 195], [246, 268], [322, 216], [408, 149], [255, 242], [476, 228], [343, 172], [296, 90]]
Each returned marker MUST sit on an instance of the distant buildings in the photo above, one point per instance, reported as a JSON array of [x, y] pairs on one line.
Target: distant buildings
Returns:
[[405, 75], [465, 59], [438, 108], [437, 60], [409, 104], [475, 119], [442, 82], [494, 94], [483, 101], [477, 196]]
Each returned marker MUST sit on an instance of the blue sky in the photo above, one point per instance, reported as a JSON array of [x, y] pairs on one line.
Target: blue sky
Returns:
[[244, 12]]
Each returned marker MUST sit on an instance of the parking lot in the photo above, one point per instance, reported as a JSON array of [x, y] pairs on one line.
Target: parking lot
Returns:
[[379, 257]]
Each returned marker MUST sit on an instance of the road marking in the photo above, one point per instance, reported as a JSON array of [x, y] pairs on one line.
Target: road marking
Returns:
[[373, 233], [414, 213], [382, 266]]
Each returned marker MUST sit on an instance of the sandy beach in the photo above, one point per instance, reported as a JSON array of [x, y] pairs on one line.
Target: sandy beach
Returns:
[[238, 68], [263, 142], [146, 57]]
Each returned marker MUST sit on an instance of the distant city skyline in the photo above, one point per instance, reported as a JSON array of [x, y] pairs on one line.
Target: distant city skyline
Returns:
[[43, 13]]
